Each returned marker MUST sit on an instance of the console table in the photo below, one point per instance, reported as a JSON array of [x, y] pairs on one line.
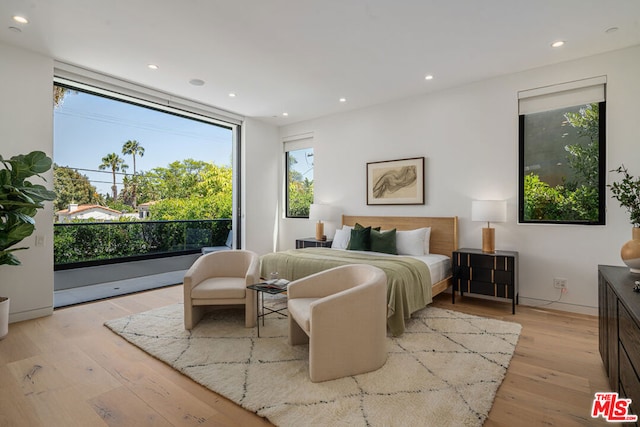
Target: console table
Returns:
[[619, 331]]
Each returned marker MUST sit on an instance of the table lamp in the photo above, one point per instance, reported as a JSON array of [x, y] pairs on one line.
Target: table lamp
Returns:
[[489, 211], [319, 212]]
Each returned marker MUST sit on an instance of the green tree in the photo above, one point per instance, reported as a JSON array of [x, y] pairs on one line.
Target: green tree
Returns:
[[177, 180], [195, 190], [133, 148], [300, 198], [71, 186], [584, 158], [115, 163], [577, 199], [300, 191]]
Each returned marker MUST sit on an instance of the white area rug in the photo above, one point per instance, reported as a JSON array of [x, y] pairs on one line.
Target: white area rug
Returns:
[[443, 371]]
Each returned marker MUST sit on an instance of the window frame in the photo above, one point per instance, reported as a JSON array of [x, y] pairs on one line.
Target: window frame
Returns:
[[293, 143], [601, 173], [97, 84]]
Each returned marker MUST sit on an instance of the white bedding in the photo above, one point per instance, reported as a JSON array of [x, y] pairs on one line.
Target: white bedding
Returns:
[[439, 265]]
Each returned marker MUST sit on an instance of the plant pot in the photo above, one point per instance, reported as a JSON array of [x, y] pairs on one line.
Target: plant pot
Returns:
[[630, 251], [4, 317]]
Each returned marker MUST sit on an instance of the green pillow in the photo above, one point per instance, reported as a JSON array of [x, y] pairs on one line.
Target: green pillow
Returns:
[[360, 239], [360, 227], [384, 241]]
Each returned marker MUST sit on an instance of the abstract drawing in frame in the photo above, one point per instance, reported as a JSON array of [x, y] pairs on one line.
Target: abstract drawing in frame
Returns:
[[396, 182]]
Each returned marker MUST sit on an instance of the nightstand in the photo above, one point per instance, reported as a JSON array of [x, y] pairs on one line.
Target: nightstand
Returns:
[[494, 274], [311, 242]]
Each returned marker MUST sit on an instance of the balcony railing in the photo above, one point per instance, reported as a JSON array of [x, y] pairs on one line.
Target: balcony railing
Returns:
[[85, 244]]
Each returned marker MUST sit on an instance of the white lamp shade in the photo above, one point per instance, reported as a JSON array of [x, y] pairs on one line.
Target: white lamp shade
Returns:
[[489, 210], [319, 212]]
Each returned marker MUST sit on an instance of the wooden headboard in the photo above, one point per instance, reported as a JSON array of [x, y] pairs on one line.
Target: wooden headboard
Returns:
[[444, 230]]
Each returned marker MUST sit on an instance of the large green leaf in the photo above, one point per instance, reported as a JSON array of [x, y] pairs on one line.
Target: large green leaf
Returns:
[[7, 258], [38, 193], [15, 235], [24, 166]]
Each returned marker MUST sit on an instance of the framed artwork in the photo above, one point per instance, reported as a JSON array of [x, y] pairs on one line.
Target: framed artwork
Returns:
[[396, 182]]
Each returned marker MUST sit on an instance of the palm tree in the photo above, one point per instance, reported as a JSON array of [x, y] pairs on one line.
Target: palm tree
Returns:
[[115, 163], [134, 148]]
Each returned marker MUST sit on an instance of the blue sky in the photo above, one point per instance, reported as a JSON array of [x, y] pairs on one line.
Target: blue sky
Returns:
[[88, 127]]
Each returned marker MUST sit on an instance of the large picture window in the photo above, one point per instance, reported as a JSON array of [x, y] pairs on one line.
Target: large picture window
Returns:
[[137, 180], [562, 154]]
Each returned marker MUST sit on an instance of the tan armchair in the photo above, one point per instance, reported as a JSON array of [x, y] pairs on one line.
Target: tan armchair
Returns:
[[221, 278], [342, 314]]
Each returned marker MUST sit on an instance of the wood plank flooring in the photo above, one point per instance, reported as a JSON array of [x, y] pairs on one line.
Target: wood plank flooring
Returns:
[[69, 370]]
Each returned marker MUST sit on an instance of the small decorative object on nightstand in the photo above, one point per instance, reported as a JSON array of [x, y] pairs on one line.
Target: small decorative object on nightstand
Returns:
[[319, 212], [478, 272], [311, 242], [489, 211]]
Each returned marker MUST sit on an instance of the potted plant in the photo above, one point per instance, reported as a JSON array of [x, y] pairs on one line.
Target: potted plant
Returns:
[[627, 193], [19, 202]]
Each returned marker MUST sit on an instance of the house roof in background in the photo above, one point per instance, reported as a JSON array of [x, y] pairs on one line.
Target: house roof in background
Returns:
[[86, 208], [302, 56]]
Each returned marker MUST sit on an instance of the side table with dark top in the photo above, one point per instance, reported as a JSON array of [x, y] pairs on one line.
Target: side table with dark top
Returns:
[[311, 242], [261, 289], [487, 273]]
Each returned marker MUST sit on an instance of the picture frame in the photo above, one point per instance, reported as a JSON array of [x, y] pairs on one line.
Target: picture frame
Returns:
[[396, 182]]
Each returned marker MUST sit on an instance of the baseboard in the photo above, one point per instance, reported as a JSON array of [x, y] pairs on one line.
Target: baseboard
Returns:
[[536, 302], [30, 314], [557, 305]]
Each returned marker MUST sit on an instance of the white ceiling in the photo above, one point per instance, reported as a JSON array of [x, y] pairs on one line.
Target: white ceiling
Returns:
[[301, 56]]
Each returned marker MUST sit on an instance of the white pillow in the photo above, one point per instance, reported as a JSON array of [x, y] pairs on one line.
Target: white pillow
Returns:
[[411, 242], [342, 237], [427, 239]]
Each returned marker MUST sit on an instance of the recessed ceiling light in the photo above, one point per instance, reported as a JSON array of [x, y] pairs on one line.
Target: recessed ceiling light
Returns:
[[557, 44], [232, 95], [611, 30], [428, 77], [285, 114], [196, 82], [21, 19], [343, 100], [153, 66]]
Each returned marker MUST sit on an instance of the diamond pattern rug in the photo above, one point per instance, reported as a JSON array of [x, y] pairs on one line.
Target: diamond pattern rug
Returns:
[[443, 371]]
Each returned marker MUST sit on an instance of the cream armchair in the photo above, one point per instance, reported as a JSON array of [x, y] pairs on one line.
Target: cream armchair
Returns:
[[221, 278], [342, 314]]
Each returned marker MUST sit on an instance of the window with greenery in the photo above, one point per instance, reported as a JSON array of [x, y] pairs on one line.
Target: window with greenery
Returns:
[[562, 165], [299, 173], [133, 180]]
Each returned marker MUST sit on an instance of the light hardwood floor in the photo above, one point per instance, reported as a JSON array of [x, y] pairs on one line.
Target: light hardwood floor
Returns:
[[69, 370]]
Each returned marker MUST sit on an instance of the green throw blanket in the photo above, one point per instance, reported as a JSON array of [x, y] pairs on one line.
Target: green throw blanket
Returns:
[[408, 279]]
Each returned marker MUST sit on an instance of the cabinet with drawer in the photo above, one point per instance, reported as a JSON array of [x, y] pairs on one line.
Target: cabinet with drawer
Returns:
[[493, 274], [619, 331], [311, 242]]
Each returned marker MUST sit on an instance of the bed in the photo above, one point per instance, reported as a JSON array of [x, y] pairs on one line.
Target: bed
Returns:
[[412, 280]]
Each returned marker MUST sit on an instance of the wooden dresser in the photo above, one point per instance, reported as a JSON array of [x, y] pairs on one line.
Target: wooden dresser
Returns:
[[619, 326]]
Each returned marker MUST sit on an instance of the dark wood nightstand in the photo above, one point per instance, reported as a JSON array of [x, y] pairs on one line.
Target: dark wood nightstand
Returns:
[[311, 242], [494, 274]]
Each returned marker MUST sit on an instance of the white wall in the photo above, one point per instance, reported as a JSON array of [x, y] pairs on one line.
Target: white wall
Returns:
[[26, 124], [261, 157], [469, 136]]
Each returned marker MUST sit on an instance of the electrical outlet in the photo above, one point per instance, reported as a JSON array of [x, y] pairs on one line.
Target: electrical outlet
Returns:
[[560, 283]]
